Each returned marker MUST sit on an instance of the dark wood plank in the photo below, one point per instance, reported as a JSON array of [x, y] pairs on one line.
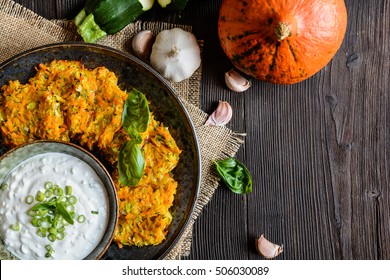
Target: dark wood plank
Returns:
[[222, 230], [360, 102], [68, 9], [44, 8]]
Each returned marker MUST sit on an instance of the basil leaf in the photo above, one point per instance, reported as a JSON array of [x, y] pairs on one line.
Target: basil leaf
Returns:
[[136, 114], [131, 163], [55, 206], [235, 175], [43, 206], [64, 213]]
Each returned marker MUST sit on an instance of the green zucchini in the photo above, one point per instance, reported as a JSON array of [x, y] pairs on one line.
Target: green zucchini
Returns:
[[173, 5], [101, 17]]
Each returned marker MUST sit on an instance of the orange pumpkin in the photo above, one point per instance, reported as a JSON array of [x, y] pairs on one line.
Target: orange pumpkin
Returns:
[[281, 41]]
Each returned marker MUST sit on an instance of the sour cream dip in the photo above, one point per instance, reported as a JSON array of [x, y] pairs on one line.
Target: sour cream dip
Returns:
[[27, 179]]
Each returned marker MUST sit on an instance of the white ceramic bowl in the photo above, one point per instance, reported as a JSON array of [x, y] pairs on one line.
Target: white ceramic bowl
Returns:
[[17, 156]]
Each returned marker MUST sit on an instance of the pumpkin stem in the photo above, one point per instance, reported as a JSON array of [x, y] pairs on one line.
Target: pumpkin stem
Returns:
[[282, 31]]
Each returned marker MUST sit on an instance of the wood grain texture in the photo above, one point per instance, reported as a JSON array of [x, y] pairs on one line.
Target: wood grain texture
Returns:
[[318, 151]]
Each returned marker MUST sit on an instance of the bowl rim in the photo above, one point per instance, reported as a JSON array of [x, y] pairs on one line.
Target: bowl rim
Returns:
[[172, 92], [113, 207]]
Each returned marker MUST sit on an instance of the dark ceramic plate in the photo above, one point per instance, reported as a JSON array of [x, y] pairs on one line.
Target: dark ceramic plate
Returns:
[[166, 106]]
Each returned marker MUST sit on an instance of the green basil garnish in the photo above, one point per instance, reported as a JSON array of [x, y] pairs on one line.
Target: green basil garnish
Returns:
[[61, 209], [136, 114], [51, 205], [131, 163], [56, 206], [235, 175], [135, 120]]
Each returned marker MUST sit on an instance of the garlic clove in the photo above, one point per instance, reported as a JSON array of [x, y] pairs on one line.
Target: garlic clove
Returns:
[[221, 116], [267, 249], [142, 44], [236, 82]]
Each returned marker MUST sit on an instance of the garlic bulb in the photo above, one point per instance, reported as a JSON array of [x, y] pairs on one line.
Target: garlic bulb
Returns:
[[142, 44], [267, 249], [236, 82], [175, 54], [221, 116]]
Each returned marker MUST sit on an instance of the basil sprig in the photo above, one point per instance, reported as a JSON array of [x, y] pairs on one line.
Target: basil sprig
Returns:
[[61, 209], [235, 175], [55, 206], [131, 163], [135, 120]]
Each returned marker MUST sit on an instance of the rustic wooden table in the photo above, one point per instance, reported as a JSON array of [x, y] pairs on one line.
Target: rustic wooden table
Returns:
[[318, 151]]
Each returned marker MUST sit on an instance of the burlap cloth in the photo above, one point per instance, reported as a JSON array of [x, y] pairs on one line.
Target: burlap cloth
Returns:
[[22, 29]]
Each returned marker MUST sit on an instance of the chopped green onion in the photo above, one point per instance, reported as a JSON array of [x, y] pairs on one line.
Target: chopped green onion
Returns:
[[49, 250], [48, 185], [61, 229], [4, 186], [41, 233], [57, 217], [47, 219], [45, 224], [128, 207], [52, 237], [36, 222], [52, 230], [29, 199], [72, 200], [70, 208], [48, 193], [58, 191], [60, 235], [40, 196], [53, 211], [68, 190], [81, 218], [16, 226], [42, 212], [31, 213], [31, 105], [94, 212], [56, 223]]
